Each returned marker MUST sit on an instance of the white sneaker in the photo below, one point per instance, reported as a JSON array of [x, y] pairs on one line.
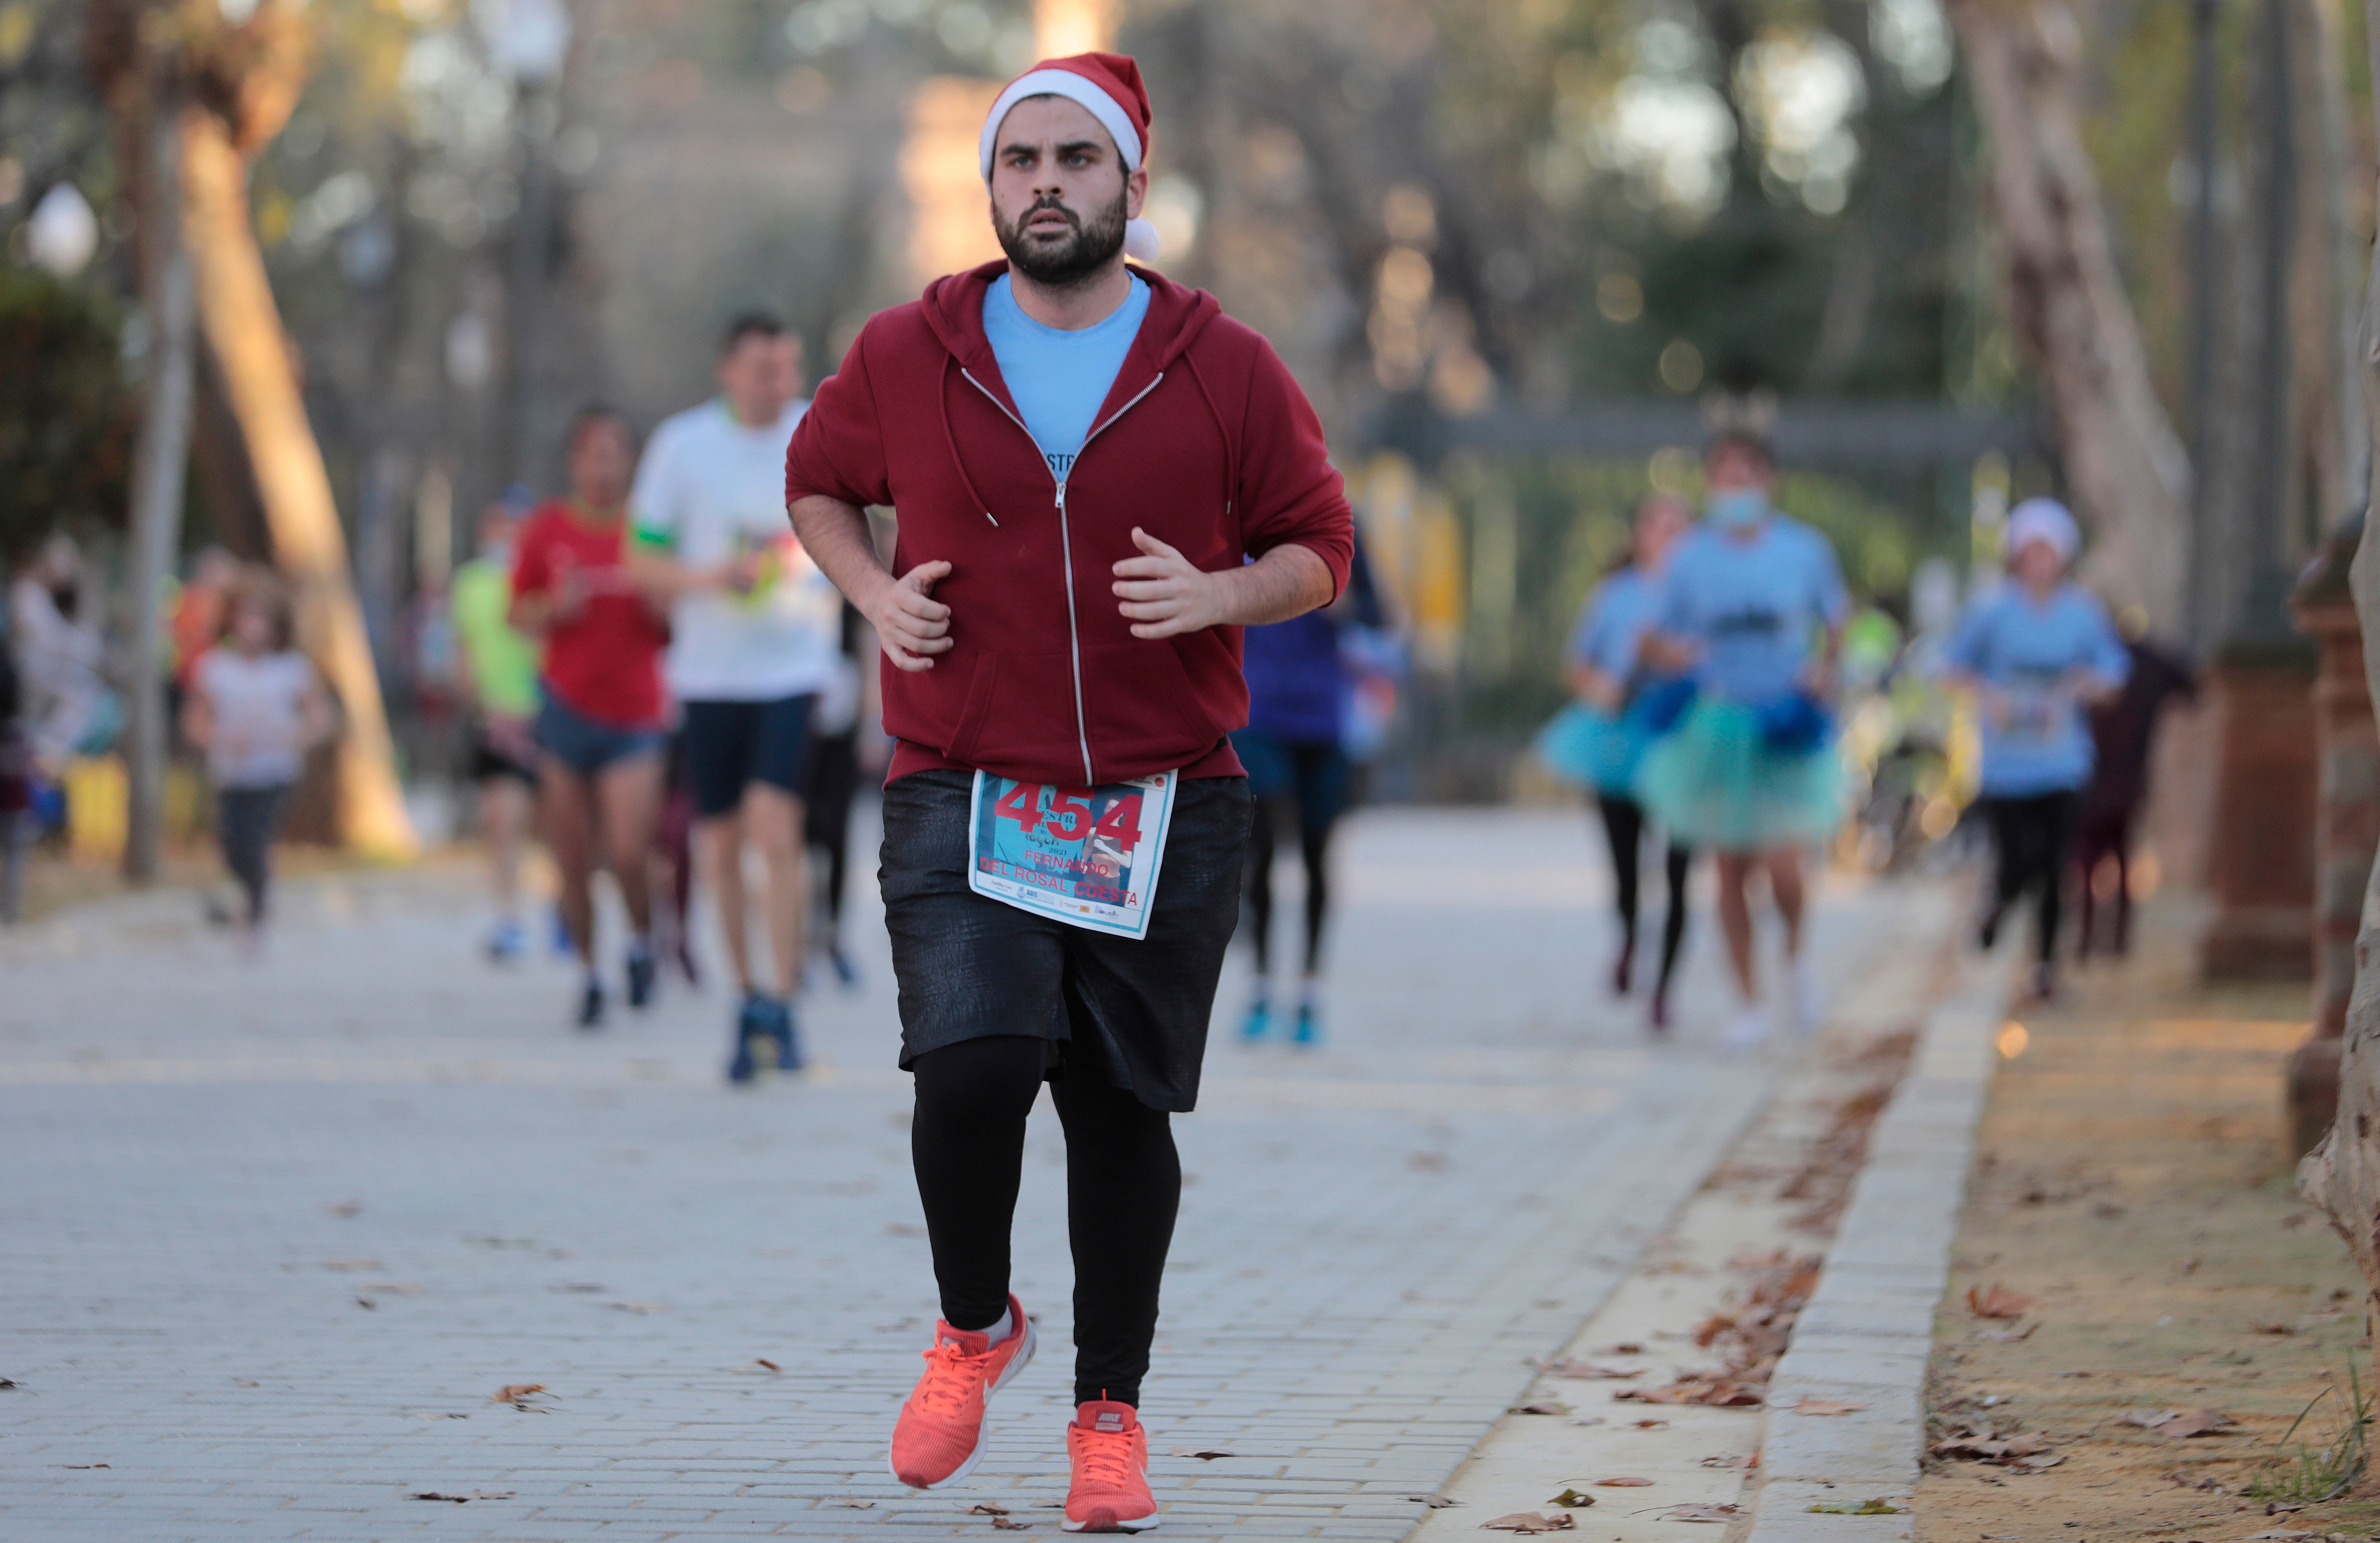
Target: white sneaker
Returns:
[[1809, 997], [1747, 1032]]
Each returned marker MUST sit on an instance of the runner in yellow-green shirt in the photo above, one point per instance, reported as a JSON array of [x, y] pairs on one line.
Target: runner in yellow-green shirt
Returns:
[[498, 666]]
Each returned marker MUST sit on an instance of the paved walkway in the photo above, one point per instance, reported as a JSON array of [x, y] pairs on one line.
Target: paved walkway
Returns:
[[275, 1233]]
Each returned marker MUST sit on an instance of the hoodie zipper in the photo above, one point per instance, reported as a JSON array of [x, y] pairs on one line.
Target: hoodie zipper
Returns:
[[1066, 543]]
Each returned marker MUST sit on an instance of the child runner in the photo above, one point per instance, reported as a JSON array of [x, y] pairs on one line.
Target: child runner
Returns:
[[255, 708], [1753, 605], [2035, 651], [1298, 768], [1085, 456], [1608, 674], [498, 668], [600, 728]]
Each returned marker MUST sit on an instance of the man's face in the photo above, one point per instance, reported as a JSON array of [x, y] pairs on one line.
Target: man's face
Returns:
[[1734, 467], [760, 374], [1059, 193]]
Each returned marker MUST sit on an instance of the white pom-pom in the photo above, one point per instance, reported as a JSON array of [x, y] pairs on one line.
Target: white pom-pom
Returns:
[[1140, 241]]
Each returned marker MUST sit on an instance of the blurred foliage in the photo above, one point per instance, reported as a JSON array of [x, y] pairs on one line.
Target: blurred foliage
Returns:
[[67, 413]]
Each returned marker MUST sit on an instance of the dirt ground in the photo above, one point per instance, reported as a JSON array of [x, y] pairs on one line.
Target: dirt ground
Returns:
[[2131, 1188]]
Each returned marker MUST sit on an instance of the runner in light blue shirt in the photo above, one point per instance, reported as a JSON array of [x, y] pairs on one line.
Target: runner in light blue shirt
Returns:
[[2035, 651], [1753, 605]]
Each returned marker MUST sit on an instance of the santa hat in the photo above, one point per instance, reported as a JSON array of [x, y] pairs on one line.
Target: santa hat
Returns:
[[1108, 86]]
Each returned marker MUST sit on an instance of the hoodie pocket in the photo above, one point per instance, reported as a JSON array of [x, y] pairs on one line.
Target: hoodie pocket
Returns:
[[1144, 716], [1019, 716]]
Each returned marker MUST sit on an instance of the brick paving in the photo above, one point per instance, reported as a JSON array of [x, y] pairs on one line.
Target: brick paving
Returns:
[[275, 1232]]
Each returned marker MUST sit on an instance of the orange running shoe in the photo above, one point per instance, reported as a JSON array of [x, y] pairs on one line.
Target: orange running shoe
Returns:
[[938, 1438], [1110, 1451]]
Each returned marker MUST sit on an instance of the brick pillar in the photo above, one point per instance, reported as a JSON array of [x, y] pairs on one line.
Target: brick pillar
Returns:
[[2260, 848], [2347, 828]]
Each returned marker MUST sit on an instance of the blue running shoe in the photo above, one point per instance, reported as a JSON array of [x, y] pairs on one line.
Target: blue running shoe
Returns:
[[783, 1036], [506, 941], [846, 974], [590, 1005], [1308, 1032], [1258, 1023], [751, 1026], [642, 972]]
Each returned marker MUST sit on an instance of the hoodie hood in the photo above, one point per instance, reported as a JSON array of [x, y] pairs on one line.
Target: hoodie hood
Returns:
[[954, 309]]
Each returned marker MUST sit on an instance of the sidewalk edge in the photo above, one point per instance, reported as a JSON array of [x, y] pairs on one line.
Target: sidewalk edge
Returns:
[[1867, 1333]]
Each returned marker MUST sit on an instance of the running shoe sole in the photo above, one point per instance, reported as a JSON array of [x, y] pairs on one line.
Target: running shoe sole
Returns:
[[1101, 1522], [1016, 1363]]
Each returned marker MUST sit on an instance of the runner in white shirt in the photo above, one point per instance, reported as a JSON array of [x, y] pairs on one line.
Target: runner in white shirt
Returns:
[[754, 639]]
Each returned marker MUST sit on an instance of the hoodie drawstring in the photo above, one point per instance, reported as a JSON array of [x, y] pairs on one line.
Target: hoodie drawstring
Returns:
[[943, 400], [1230, 446]]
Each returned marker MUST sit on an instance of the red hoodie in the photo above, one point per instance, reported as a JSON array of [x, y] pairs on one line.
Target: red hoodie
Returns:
[[1204, 442]]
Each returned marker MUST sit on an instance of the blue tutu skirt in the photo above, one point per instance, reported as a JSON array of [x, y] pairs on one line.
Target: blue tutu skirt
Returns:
[[1594, 750], [1721, 781]]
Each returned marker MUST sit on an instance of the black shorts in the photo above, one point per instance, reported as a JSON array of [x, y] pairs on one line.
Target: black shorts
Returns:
[[970, 966], [491, 761], [730, 746]]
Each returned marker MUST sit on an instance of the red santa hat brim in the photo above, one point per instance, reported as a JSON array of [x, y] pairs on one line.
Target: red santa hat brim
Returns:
[[1103, 95]]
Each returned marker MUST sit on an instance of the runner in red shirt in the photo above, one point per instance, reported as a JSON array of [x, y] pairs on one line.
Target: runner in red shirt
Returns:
[[601, 728], [1100, 480]]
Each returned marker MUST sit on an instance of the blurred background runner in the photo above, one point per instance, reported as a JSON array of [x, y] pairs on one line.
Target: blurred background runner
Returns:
[[2123, 728], [496, 668]]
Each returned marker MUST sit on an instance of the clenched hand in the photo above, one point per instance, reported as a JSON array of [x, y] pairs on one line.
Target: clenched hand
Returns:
[[910, 623], [1163, 594]]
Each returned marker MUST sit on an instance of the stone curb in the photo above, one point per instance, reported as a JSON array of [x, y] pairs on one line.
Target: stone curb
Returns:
[[1868, 1330]]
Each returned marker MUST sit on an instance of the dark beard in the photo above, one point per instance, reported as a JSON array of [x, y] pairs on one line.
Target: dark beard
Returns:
[[1092, 247]]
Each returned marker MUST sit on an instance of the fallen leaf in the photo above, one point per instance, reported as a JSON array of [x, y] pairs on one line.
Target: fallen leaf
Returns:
[[517, 1394], [1538, 1409], [1528, 1521], [2151, 1418], [1623, 1483], [2284, 1535], [1865, 1508], [394, 1288], [2197, 1422], [1427, 1163], [1825, 1406], [460, 1499], [1650, 1424], [1625, 1348], [1718, 1392], [2036, 1464], [859, 1505], [83, 1466], [237, 1382], [769, 1363], [353, 1267], [1722, 1462], [1002, 1524], [1997, 1301], [10, 1382], [2281, 1329], [640, 1309], [343, 1208], [1571, 1498], [435, 1415], [2007, 1336], [577, 1285], [985, 1508], [1436, 1502], [367, 1304], [1205, 1454], [1721, 1513], [1589, 1371]]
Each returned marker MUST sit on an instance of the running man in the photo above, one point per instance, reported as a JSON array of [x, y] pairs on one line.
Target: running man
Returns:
[[497, 669], [1753, 606], [1299, 773], [1609, 675], [600, 728], [754, 639], [1085, 457], [2035, 651]]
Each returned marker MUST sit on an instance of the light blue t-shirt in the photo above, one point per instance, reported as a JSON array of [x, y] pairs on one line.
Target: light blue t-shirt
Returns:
[[1752, 607], [1060, 377], [1612, 623], [2026, 648]]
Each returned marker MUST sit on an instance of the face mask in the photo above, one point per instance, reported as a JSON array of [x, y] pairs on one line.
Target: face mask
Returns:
[[1738, 508]]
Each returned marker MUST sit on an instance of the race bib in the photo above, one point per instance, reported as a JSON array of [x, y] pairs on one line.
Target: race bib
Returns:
[[1088, 856]]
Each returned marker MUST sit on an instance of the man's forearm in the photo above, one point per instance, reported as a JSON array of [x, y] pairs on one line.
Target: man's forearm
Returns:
[[835, 535], [1288, 582]]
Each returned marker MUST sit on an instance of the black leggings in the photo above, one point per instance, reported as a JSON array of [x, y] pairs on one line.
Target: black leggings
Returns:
[[245, 821], [1314, 845], [1624, 823], [2033, 837], [1123, 1185]]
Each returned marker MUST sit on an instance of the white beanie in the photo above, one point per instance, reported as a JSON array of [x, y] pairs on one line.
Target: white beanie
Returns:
[[2043, 520]]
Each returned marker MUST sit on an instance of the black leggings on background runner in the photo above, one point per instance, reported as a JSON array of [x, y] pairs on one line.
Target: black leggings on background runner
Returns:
[[1123, 1185], [1624, 823], [2033, 837], [1314, 844]]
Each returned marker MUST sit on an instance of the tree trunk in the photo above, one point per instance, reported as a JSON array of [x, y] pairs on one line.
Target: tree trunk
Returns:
[[2125, 467], [243, 331], [160, 468], [2342, 1176]]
